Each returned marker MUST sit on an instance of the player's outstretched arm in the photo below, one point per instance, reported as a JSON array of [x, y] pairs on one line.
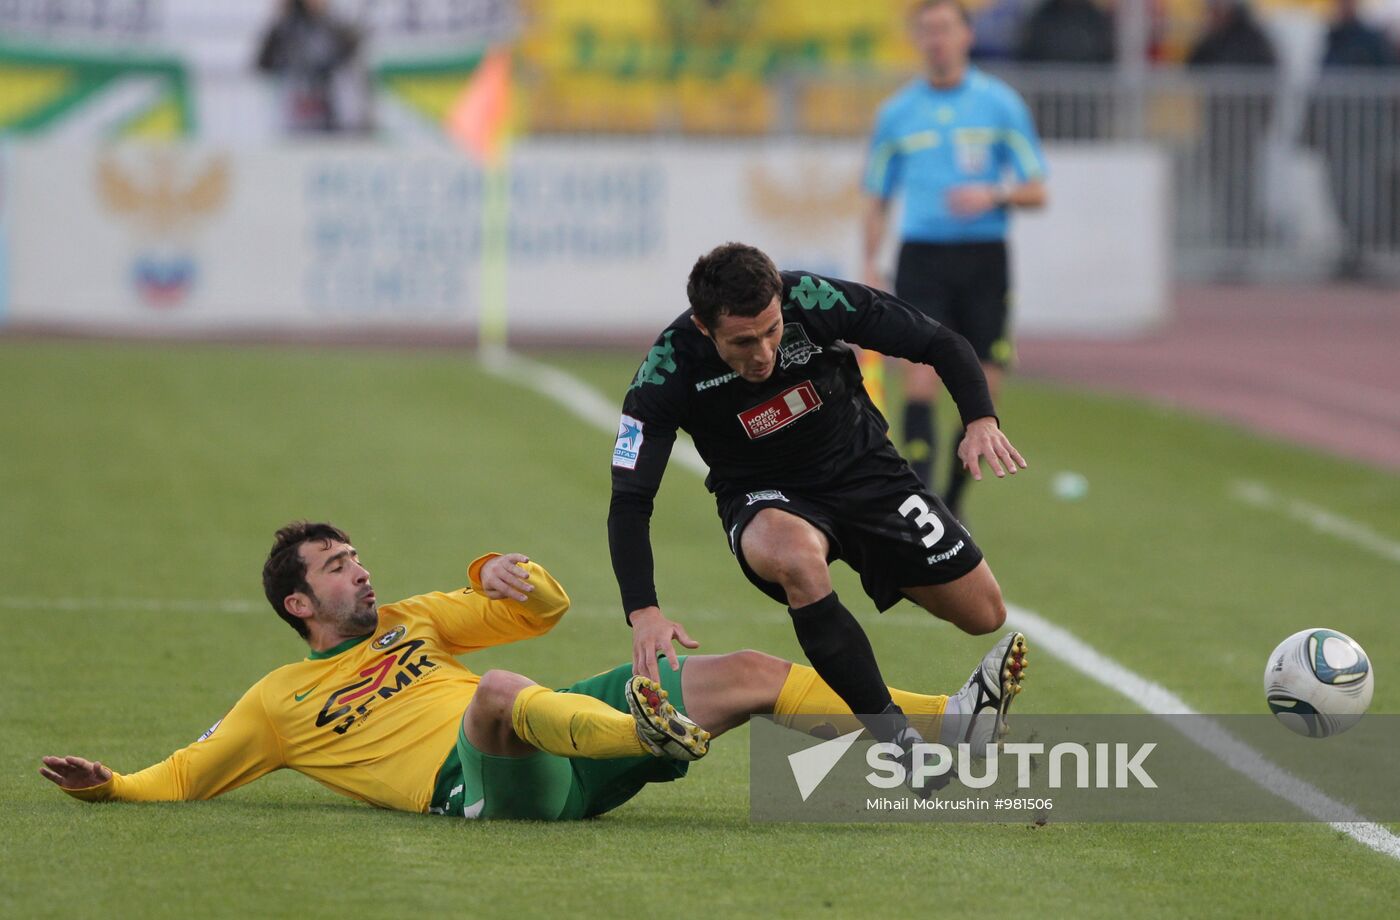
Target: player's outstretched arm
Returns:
[[652, 632], [74, 772], [985, 440]]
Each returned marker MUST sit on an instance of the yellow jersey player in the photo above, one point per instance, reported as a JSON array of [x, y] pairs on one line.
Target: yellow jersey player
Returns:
[[382, 711]]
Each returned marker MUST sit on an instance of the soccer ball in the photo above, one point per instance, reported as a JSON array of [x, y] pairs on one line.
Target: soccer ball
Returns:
[[1318, 682]]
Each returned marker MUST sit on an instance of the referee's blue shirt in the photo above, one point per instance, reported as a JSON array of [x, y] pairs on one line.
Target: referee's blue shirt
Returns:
[[928, 140]]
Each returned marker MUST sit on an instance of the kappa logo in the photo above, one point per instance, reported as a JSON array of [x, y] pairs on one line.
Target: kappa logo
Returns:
[[796, 348], [945, 556], [390, 637], [716, 381], [629, 443], [660, 361], [767, 495], [780, 411], [209, 731], [818, 295]]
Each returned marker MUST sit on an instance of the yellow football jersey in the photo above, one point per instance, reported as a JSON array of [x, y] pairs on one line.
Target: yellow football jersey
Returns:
[[372, 718]]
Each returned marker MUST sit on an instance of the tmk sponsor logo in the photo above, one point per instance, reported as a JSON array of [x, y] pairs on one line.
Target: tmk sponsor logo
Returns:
[[342, 704]]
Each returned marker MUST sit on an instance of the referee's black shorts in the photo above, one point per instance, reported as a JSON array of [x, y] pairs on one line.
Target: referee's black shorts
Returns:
[[964, 286]]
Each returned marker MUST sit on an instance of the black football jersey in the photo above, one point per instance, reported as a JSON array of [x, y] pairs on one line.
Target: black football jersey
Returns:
[[801, 428]]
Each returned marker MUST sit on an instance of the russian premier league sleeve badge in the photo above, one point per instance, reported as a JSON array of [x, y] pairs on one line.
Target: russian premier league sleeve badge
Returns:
[[629, 443]]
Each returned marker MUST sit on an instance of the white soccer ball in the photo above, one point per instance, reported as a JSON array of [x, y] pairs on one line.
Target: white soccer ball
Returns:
[[1318, 682]]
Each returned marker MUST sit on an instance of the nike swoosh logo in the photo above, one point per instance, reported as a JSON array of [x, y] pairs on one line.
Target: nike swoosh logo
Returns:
[[301, 696]]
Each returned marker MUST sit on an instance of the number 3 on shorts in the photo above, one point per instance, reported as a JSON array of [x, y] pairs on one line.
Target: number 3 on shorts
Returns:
[[915, 506]]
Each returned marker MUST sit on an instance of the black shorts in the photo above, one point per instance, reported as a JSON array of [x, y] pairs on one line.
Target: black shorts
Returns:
[[880, 520], [964, 286]]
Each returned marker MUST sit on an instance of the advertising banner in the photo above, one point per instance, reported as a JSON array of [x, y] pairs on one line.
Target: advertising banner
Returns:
[[602, 234]]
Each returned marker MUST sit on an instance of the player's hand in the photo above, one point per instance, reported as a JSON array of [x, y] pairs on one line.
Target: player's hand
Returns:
[[972, 200], [506, 576], [652, 633], [985, 440], [74, 772]]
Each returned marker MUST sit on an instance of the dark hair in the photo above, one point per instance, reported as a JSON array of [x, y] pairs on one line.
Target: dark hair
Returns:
[[284, 572], [925, 5], [734, 278]]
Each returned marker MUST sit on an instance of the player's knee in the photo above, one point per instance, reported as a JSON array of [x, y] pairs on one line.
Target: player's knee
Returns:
[[988, 616], [752, 665], [497, 692], [783, 543], [798, 571], [789, 563]]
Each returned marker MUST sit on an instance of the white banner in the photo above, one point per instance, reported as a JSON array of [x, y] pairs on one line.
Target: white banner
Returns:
[[602, 237]]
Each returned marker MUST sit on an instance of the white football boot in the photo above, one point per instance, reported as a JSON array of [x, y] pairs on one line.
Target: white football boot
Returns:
[[976, 714]]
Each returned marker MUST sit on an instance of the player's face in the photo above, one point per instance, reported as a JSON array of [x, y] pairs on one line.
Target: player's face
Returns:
[[749, 344], [341, 595], [943, 39]]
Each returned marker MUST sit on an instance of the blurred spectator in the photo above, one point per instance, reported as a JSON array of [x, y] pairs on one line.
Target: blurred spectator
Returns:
[[1073, 32], [1236, 118], [1352, 123], [1353, 43], [1233, 38], [996, 29], [1067, 32], [306, 48]]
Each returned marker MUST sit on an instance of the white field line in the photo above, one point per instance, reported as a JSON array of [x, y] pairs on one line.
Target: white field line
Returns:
[[1320, 519], [1204, 733], [579, 398], [585, 402], [1054, 639]]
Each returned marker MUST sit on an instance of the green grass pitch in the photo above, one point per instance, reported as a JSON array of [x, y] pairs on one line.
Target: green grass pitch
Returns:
[[140, 485]]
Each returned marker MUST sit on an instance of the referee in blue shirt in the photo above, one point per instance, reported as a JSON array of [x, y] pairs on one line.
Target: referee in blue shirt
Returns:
[[959, 147]]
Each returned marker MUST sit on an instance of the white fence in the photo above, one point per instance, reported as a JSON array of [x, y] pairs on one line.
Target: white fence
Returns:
[[1275, 178], [171, 240]]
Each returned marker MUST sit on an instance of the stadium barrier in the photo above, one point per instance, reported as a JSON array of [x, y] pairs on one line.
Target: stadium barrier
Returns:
[[185, 239], [1274, 178]]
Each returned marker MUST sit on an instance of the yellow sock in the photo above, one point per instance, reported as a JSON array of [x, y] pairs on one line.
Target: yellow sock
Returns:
[[574, 725], [804, 693]]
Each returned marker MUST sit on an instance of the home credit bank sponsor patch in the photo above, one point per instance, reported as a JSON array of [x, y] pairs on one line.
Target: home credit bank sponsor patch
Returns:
[[783, 409]]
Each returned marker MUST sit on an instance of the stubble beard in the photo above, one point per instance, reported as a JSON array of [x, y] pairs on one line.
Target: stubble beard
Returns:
[[355, 618]]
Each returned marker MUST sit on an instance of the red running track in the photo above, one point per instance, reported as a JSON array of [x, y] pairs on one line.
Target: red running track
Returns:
[[1318, 366]]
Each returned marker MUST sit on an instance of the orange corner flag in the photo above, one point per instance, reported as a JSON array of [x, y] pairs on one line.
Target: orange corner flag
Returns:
[[479, 117]]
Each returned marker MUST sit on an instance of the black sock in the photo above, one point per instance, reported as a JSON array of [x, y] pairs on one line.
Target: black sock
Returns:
[[957, 479], [920, 439], [841, 655]]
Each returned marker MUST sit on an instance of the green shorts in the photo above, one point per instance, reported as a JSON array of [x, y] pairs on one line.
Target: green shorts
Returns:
[[547, 787]]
